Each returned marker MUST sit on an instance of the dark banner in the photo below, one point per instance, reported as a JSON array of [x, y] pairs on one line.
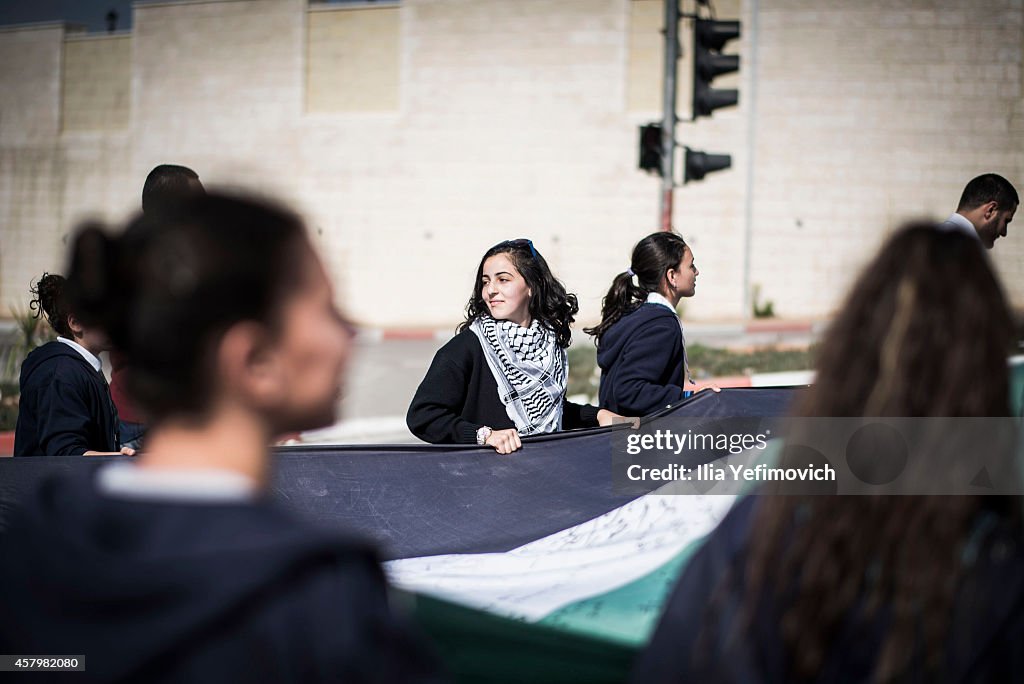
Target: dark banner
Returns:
[[420, 500]]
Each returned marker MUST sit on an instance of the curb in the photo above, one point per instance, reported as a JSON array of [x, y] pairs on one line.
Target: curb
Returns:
[[404, 334], [748, 328], [769, 326], [779, 379]]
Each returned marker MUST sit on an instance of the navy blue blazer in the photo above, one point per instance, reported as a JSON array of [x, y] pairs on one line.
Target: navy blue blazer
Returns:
[[642, 362], [65, 407]]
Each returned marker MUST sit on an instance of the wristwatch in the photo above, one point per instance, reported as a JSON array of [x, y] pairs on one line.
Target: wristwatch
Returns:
[[482, 434]]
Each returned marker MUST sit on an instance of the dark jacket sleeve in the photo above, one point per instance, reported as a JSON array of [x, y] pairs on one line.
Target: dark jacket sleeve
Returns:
[[435, 414], [648, 355], [64, 415], [578, 415]]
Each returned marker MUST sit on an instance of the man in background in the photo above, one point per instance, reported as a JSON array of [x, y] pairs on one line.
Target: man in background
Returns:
[[986, 208], [167, 186]]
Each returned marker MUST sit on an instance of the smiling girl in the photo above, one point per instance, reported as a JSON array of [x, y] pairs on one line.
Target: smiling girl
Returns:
[[504, 374]]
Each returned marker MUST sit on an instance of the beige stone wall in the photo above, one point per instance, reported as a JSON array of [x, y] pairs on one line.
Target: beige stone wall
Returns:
[[96, 83], [30, 83], [30, 167], [494, 119], [870, 113], [646, 55], [218, 86], [512, 125], [352, 59]]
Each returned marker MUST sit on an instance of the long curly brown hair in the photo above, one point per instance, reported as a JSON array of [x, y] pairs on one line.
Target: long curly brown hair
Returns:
[[924, 332]]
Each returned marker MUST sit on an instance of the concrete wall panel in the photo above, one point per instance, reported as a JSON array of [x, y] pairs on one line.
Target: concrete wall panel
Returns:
[[96, 83]]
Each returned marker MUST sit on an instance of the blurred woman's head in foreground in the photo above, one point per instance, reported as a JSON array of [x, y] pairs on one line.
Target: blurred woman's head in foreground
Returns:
[[220, 302]]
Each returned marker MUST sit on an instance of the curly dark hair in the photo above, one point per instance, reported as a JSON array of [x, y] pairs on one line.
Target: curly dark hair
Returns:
[[50, 299], [550, 304], [924, 332]]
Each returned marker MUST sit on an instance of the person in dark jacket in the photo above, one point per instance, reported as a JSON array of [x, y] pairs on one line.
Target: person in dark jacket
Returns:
[[640, 345], [175, 566], [504, 374], [859, 588], [65, 407]]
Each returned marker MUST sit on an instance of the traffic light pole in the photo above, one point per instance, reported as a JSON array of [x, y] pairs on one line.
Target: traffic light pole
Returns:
[[668, 122]]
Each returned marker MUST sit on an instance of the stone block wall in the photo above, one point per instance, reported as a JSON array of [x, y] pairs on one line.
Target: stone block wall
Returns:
[[415, 134]]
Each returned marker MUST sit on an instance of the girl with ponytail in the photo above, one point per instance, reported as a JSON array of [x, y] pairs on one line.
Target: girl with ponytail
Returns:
[[640, 346], [65, 407]]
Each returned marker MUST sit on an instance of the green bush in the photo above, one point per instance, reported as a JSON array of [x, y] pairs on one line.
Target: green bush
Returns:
[[705, 362], [8, 405], [30, 332]]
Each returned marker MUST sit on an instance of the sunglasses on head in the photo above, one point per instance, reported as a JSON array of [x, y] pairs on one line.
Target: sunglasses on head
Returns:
[[521, 242]]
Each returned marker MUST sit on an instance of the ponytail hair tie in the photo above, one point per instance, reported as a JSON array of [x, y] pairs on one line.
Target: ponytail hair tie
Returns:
[[629, 272]]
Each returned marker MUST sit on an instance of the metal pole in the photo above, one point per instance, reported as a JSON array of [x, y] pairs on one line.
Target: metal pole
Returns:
[[751, 101], [668, 122]]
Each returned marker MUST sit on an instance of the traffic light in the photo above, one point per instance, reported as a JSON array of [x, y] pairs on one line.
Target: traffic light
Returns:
[[709, 37], [696, 164], [650, 148]]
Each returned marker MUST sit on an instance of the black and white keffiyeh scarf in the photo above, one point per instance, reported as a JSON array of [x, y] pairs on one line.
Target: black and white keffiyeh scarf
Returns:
[[530, 370]]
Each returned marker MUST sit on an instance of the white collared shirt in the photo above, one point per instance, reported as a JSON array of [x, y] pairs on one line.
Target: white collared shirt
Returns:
[[93, 360], [658, 298], [208, 485], [959, 222]]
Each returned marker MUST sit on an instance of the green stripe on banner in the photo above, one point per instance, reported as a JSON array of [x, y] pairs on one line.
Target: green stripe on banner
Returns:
[[593, 640], [627, 614], [1017, 385], [479, 647]]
